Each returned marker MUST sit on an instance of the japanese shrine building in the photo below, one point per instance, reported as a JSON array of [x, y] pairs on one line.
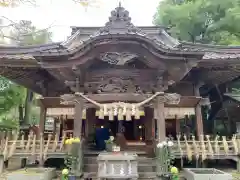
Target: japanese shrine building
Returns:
[[120, 62]]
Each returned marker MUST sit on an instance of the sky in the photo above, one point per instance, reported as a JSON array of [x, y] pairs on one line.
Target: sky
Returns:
[[61, 14]]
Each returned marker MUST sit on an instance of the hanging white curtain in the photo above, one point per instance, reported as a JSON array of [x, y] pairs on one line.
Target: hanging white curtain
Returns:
[[171, 113], [64, 111]]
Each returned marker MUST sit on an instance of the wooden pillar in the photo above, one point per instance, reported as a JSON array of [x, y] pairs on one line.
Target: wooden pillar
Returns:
[[135, 128], [198, 113], [55, 126], [178, 128], [161, 125], [77, 130], [43, 113], [149, 124], [90, 121], [153, 123]]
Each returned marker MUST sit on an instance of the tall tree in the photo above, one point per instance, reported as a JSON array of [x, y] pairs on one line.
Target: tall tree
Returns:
[[204, 21]]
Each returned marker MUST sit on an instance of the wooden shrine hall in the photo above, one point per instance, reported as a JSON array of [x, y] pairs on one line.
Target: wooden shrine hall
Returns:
[[138, 78]]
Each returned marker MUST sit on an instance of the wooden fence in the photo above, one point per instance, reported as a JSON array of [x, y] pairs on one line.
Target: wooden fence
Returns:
[[34, 146], [53, 146], [207, 148]]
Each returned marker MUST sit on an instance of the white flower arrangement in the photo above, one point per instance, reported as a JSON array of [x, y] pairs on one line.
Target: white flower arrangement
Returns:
[[111, 138], [164, 144]]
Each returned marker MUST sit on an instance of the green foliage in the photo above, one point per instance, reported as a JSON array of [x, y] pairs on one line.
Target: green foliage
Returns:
[[7, 124], [204, 21], [11, 95]]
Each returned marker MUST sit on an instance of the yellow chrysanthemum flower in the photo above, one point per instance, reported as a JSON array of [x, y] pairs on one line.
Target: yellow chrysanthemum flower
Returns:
[[65, 171], [67, 141], [174, 170], [76, 140]]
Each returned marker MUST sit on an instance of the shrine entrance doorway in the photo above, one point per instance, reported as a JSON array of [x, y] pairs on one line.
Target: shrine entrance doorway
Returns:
[[132, 130]]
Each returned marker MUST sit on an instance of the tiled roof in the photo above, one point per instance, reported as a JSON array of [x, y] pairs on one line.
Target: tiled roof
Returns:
[[214, 55], [119, 27], [17, 56]]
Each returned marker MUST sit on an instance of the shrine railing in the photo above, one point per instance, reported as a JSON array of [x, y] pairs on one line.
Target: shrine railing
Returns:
[[206, 148], [53, 146], [15, 145]]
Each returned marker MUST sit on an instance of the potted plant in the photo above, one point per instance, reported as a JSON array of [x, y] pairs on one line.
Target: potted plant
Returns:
[[109, 144], [72, 159]]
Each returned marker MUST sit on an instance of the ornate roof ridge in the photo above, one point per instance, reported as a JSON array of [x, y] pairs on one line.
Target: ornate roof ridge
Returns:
[[93, 27], [119, 22]]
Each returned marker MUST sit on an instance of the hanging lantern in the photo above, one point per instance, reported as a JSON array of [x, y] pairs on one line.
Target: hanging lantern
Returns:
[[97, 113], [137, 114], [115, 110], [101, 114], [110, 114], [84, 114], [124, 109], [120, 114], [142, 113], [105, 110], [128, 115], [133, 109]]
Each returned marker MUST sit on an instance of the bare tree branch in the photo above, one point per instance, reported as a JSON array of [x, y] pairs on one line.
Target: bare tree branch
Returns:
[[17, 27]]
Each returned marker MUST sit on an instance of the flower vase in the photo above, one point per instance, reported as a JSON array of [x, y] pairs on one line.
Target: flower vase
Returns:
[[69, 148], [109, 147], [71, 177]]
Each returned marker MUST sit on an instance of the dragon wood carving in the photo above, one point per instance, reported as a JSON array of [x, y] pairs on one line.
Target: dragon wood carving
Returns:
[[117, 85]]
